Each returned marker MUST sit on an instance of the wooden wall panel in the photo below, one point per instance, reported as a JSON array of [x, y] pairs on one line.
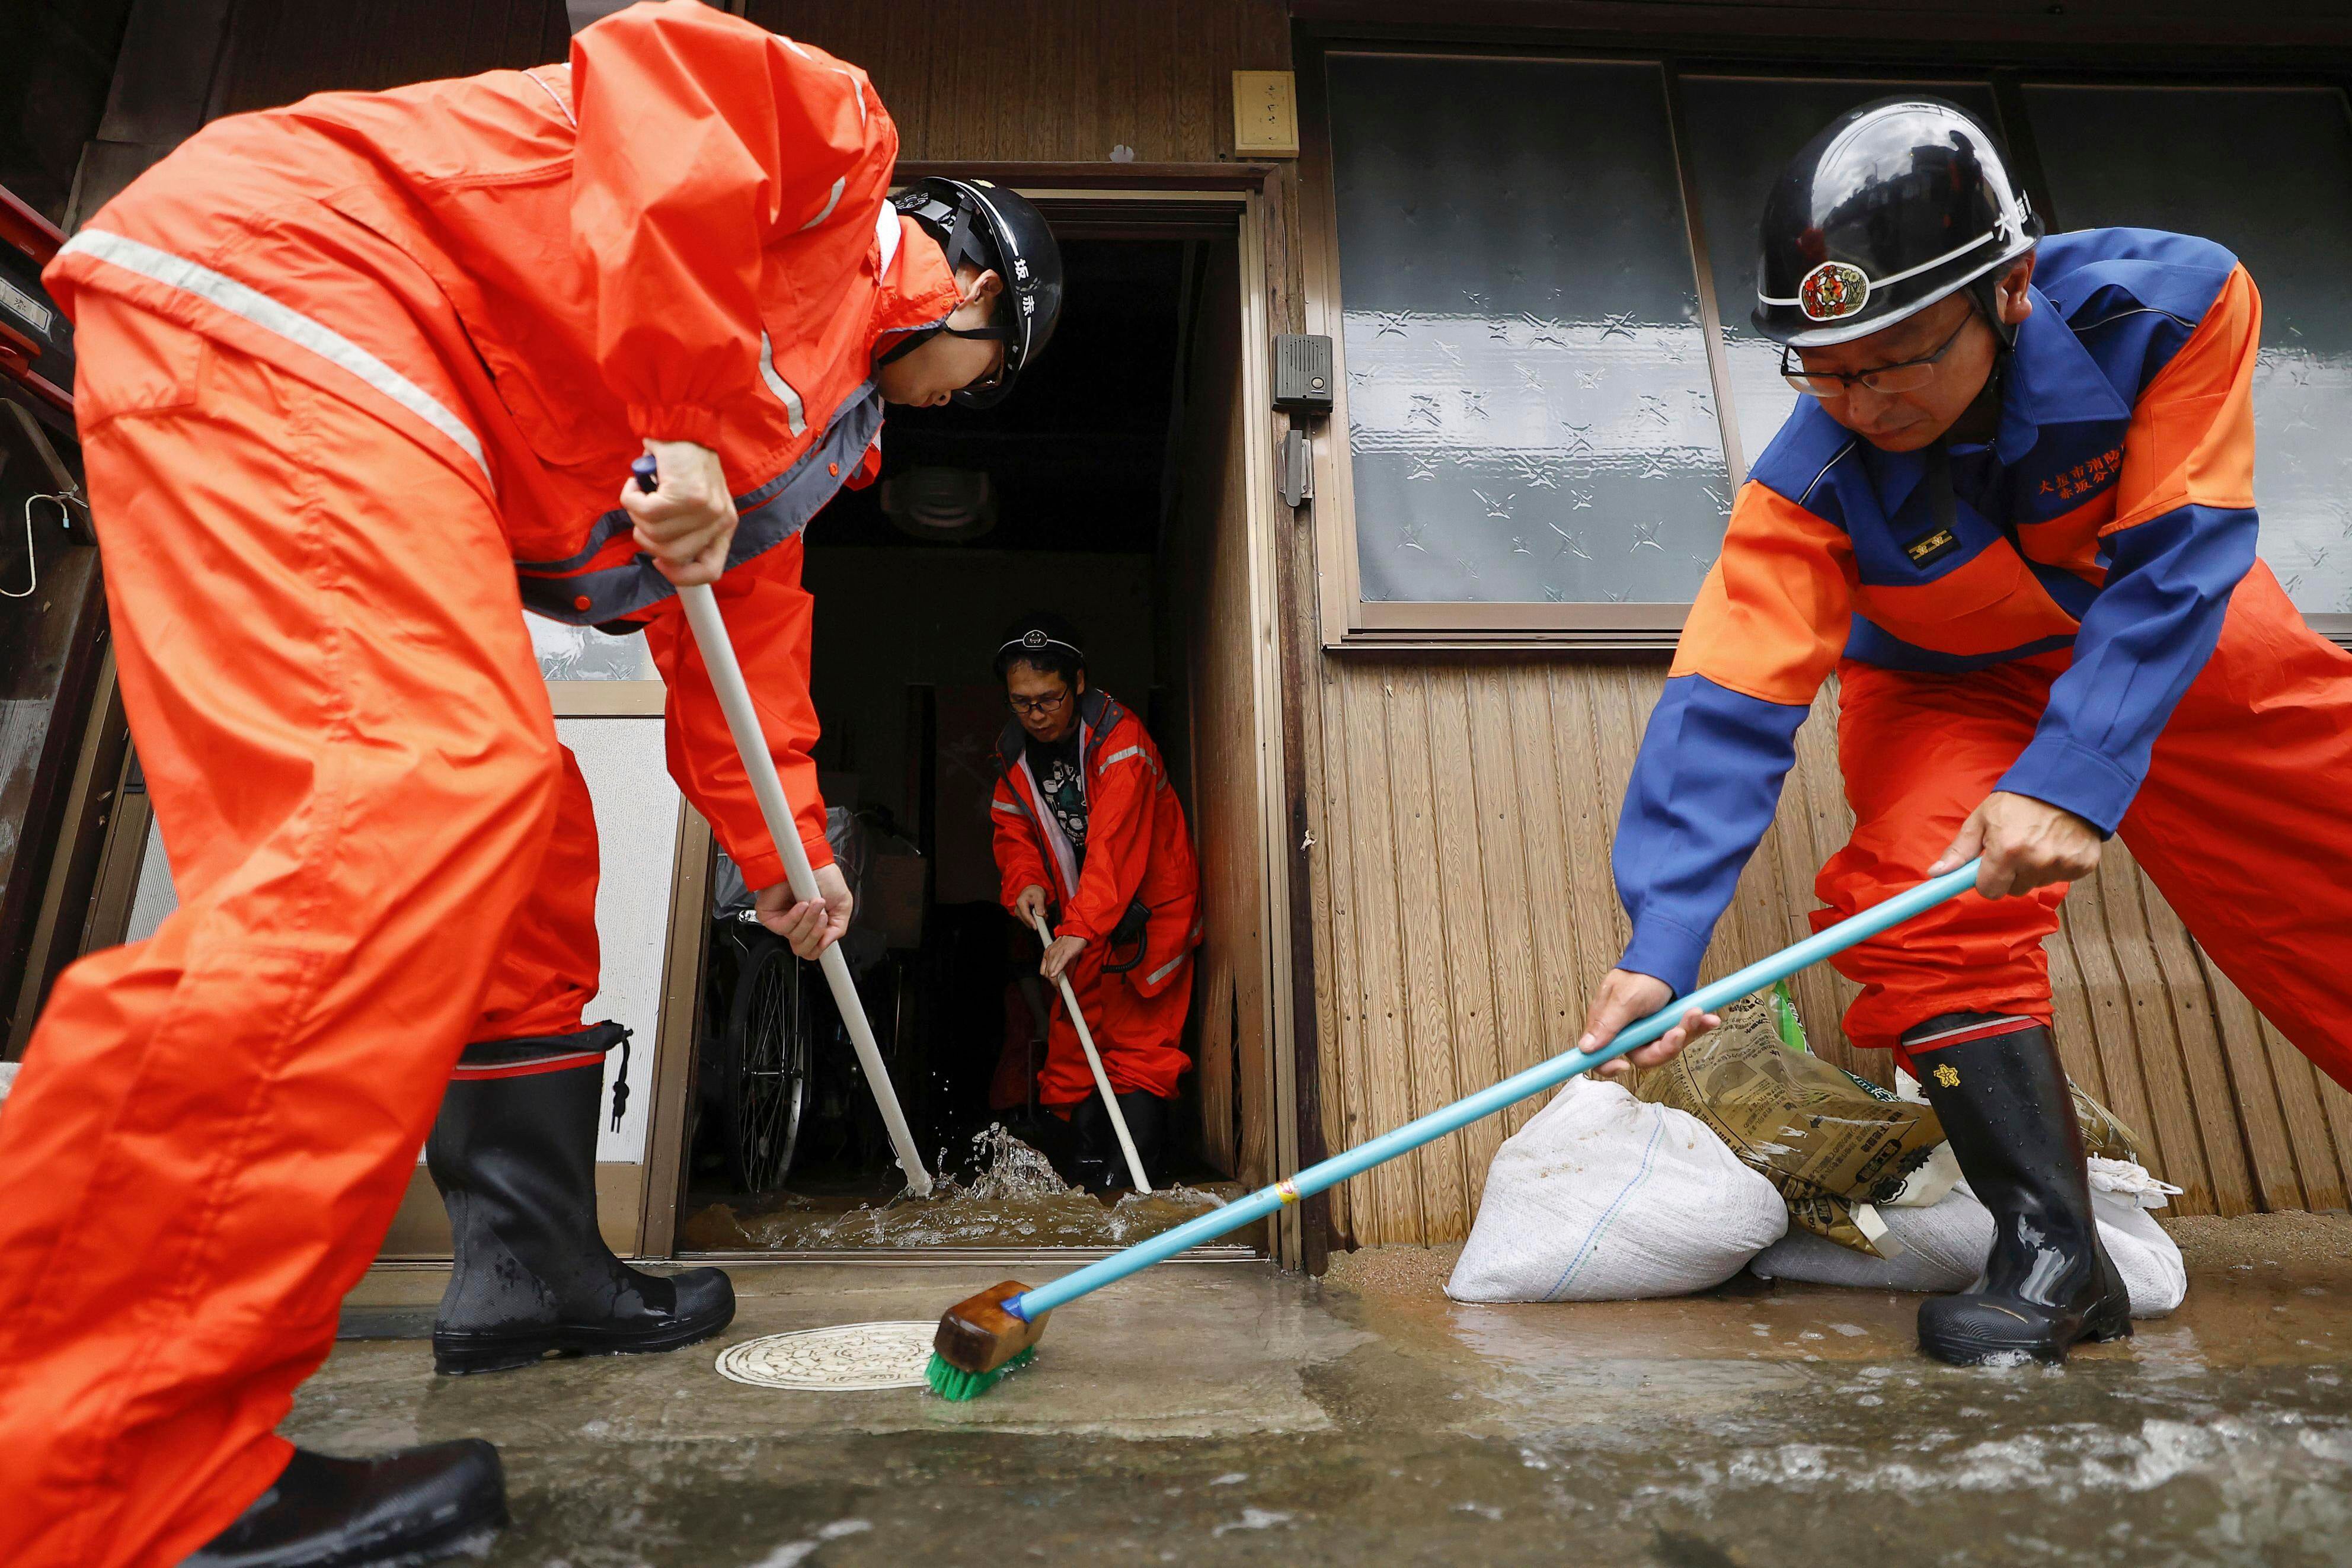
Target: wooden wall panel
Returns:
[[1213, 611], [1461, 811], [1050, 80], [1518, 767]]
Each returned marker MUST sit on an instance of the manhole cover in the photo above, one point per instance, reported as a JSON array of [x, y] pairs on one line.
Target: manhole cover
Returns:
[[846, 1357]]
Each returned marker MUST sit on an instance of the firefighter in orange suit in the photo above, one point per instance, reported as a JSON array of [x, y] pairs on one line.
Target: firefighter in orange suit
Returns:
[[1089, 833], [2015, 514], [360, 379]]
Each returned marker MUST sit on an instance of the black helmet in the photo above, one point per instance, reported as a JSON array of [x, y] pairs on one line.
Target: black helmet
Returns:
[[999, 231], [1894, 205]]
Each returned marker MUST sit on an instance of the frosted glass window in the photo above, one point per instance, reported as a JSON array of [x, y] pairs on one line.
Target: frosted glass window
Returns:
[[2267, 172], [568, 653], [1530, 411], [1743, 131]]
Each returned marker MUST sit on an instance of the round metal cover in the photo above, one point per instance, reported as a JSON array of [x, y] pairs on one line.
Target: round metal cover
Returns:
[[846, 1357]]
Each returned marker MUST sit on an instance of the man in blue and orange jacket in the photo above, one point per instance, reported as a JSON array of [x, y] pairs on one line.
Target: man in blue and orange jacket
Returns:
[[2016, 515]]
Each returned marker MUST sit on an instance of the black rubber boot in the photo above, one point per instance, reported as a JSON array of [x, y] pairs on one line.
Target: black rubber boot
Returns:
[[515, 1158], [1998, 1088], [1100, 1163], [1147, 1123], [417, 1505]]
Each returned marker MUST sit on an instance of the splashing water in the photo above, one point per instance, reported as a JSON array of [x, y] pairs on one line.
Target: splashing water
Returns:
[[1013, 1199]]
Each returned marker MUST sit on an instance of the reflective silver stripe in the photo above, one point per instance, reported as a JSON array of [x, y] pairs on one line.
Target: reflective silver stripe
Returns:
[[844, 70], [557, 97], [1132, 751], [793, 415], [1166, 969], [178, 272], [1984, 1023], [529, 1066], [769, 515], [1009, 808], [831, 201], [886, 235], [2011, 221]]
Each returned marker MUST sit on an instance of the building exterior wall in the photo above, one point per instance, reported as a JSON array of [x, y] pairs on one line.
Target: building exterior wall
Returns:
[[1461, 806], [1455, 812]]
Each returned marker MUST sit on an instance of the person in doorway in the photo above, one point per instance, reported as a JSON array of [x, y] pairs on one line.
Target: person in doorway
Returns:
[[1090, 835], [2015, 514], [360, 379]]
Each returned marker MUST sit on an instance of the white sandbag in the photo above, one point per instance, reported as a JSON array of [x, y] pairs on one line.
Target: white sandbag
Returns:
[[1944, 1245], [1603, 1197], [2148, 1259], [1943, 1248]]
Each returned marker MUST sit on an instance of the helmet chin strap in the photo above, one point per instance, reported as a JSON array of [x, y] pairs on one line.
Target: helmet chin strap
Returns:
[[1986, 292]]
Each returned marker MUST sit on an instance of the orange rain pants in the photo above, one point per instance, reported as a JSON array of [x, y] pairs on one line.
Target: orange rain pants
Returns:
[[2240, 823], [548, 971], [355, 764], [1140, 1038]]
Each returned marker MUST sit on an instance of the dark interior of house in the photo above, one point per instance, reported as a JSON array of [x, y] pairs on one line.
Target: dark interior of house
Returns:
[[1059, 499]]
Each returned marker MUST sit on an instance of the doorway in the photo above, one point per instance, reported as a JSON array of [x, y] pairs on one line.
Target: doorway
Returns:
[[1117, 491]]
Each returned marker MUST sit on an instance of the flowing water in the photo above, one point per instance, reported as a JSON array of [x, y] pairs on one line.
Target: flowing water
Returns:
[[1012, 1199]]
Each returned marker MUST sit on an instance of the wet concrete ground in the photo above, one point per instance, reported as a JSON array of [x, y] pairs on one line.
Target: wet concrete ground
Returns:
[[1222, 1414]]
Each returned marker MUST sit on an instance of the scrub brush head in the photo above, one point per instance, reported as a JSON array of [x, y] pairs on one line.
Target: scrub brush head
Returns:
[[953, 1382], [980, 1340]]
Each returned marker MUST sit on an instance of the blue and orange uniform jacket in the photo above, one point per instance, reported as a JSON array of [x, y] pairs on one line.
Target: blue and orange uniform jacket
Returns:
[[2111, 515]]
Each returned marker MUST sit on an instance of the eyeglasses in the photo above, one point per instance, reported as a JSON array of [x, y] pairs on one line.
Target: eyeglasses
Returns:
[[1909, 375], [1039, 708]]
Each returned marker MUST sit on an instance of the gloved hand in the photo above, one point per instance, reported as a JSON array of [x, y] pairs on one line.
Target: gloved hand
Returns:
[[688, 521]]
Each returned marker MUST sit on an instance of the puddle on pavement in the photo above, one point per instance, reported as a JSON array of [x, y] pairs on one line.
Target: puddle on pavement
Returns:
[[1013, 1200]]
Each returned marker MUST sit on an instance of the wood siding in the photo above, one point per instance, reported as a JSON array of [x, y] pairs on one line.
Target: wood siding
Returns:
[[1210, 610], [1466, 811], [1462, 810], [1050, 80]]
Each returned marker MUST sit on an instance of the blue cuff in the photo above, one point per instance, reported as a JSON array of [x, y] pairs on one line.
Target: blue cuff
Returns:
[[1665, 951], [2074, 778]]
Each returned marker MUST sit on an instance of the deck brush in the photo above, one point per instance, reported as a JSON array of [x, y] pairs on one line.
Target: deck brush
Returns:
[[986, 1336], [981, 1340]]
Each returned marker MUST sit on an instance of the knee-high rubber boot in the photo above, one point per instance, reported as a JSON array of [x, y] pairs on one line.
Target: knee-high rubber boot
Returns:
[[1147, 1123], [413, 1506], [1100, 1162], [1997, 1085], [514, 1154]]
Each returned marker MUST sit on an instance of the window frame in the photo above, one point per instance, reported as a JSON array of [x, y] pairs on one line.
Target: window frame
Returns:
[[1346, 619]]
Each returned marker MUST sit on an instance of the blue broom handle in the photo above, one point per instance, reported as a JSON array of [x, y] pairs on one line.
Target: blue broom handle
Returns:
[[1879, 917]]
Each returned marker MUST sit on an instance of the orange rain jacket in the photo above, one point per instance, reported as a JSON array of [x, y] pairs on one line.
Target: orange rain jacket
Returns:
[[682, 235], [1138, 848]]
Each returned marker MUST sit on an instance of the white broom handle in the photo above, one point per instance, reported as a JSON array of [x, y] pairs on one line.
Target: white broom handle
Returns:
[[752, 744], [1094, 1061]]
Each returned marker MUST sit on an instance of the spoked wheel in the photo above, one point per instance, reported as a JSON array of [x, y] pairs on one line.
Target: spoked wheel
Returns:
[[769, 1041]]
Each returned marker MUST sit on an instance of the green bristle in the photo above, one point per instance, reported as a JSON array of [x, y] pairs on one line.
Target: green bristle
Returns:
[[953, 1382]]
